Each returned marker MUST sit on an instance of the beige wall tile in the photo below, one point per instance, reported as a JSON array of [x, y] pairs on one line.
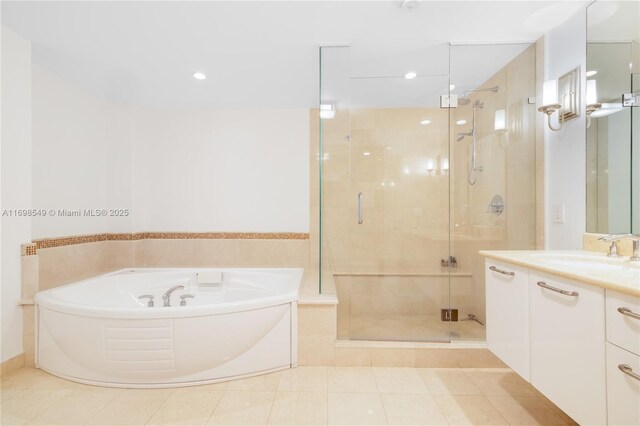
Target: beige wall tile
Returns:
[[315, 350], [65, 264], [392, 357], [437, 358], [120, 254], [30, 272], [317, 320], [479, 358], [352, 357], [11, 366]]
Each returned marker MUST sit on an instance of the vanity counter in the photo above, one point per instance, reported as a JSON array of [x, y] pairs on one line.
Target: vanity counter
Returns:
[[586, 266]]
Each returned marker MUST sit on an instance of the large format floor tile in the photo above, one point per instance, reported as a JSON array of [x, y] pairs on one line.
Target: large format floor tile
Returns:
[[299, 396]]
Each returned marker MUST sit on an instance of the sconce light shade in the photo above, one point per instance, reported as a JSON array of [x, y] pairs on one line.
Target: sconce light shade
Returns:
[[592, 92], [500, 122], [550, 102], [444, 164], [550, 92], [327, 111], [592, 100], [430, 165]]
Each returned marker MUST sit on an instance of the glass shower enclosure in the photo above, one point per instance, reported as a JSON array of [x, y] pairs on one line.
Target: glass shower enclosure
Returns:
[[422, 162]]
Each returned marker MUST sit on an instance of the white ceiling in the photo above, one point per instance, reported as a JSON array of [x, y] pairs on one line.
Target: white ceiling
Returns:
[[264, 53]]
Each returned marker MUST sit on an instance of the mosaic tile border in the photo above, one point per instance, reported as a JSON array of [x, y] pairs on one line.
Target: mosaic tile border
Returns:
[[31, 249]]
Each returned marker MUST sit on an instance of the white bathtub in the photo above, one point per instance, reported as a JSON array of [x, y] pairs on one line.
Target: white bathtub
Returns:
[[98, 331]]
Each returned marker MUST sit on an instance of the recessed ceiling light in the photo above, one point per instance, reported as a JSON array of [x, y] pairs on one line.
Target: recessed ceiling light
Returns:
[[591, 73], [425, 122], [461, 122], [451, 87], [199, 76], [410, 75], [366, 154]]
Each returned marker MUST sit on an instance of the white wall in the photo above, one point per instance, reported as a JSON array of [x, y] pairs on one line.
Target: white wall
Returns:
[[565, 150], [192, 170], [222, 170], [81, 158], [15, 156]]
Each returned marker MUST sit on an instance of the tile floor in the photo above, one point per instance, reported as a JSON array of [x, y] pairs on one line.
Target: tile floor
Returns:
[[300, 396]]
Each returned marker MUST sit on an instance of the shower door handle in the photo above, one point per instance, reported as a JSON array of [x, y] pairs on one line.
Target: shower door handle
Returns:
[[359, 208]]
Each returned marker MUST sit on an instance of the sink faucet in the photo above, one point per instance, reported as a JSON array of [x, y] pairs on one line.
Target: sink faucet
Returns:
[[613, 249], [166, 298]]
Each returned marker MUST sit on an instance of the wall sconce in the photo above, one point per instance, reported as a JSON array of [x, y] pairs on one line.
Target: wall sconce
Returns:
[[592, 100], [561, 95], [327, 111], [500, 122], [550, 102]]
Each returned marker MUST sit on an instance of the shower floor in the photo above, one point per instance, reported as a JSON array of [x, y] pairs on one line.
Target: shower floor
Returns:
[[412, 328]]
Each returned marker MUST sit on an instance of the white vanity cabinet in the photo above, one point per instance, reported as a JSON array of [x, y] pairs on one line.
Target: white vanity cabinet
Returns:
[[623, 358], [567, 340], [508, 314], [577, 343]]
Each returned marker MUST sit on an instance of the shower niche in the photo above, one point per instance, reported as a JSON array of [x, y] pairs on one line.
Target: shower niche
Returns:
[[406, 180]]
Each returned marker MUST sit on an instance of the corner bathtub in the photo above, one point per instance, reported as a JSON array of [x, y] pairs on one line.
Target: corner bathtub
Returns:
[[98, 331]]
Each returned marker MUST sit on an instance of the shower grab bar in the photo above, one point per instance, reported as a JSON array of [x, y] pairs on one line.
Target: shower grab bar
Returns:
[[500, 271], [557, 290], [628, 312], [359, 208], [628, 371]]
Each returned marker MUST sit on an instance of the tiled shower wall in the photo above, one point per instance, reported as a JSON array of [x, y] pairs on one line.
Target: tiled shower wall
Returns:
[[407, 207]]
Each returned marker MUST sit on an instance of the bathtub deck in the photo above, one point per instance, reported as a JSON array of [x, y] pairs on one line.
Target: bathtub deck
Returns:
[[304, 395]]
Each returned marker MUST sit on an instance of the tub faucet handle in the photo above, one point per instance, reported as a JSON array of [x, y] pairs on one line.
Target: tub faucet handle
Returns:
[[147, 296], [184, 297]]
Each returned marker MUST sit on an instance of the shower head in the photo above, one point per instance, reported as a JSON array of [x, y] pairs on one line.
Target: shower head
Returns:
[[493, 89]]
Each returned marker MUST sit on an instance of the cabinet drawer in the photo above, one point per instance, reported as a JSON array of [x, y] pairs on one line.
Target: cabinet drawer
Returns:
[[623, 328], [568, 346], [507, 299], [623, 390]]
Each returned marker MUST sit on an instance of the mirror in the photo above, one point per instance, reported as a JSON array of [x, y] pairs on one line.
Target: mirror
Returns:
[[613, 130]]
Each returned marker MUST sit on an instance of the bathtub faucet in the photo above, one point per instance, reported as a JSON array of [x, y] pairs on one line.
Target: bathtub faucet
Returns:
[[166, 298]]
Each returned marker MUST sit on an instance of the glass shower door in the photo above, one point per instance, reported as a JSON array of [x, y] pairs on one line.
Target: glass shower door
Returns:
[[385, 196]]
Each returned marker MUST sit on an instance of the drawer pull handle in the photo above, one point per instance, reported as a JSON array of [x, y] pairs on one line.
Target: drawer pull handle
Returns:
[[628, 312], [494, 269], [557, 290], [628, 371]]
